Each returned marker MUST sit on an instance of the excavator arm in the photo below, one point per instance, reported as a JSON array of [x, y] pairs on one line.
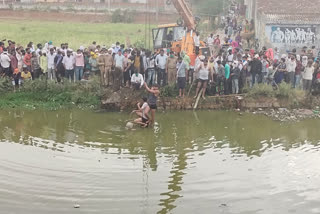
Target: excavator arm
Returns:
[[185, 13]]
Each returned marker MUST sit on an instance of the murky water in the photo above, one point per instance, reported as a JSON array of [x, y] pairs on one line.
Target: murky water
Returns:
[[205, 162]]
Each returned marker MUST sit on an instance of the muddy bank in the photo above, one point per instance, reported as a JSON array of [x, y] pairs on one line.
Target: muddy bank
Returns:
[[275, 108]]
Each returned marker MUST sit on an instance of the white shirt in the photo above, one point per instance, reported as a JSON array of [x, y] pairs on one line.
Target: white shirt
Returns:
[[204, 73], [119, 61], [5, 60], [143, 109], [196, 40], [137, 79], [161, 61], [68, 62], [150, 63], [291, 66], [19, 58], [210, 41], [308, 73], [230, 58], [51, 60], [38, 51]]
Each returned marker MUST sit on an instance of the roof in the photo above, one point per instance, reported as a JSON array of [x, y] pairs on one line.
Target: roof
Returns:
[[300, 19], [290, 11]]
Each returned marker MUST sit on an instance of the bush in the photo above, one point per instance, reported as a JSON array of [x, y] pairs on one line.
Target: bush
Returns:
[[119, 16], [169, 91], [261, 90], [285, 91], [5, 85]]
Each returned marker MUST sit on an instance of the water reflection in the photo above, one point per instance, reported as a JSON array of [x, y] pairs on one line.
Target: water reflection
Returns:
[[179, 136]]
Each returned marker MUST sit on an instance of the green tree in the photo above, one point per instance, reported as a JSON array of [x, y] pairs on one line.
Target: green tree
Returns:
[[209, 7]]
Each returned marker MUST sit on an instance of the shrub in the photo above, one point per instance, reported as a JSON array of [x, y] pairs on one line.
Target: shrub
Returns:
[[285, 91], [169, 91], [119, 16], [5, 85], [261, 90]]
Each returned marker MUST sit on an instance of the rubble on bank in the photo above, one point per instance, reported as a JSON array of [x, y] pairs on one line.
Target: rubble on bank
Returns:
[[289, 115]]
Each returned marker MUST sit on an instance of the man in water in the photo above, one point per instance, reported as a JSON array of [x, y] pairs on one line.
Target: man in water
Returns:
[[143, 112], [152, 101]]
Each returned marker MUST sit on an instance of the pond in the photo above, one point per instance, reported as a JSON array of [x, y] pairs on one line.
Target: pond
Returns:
[[191, 162]]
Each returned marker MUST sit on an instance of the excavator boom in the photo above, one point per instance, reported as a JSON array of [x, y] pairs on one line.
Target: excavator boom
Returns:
[[185, 13]]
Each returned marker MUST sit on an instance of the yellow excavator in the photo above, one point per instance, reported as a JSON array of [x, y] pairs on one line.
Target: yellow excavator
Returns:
[[179, 36]]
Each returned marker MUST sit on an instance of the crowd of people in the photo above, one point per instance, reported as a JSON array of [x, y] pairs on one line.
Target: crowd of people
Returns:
[[227, 70]]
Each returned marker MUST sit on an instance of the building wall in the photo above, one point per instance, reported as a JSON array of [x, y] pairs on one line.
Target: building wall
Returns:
[[288, 36]]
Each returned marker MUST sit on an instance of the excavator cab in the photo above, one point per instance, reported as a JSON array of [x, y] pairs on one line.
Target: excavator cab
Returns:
[[165, 36]]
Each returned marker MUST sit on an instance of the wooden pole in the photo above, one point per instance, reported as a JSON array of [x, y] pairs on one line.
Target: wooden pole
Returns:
[[198, 98], [157, 11]]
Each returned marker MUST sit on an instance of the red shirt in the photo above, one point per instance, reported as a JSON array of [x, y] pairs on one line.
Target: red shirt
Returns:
[[217, 41], [27, 59]]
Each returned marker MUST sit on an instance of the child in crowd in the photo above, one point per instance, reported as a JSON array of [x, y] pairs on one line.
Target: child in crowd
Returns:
[[25, 75], [16, 79]]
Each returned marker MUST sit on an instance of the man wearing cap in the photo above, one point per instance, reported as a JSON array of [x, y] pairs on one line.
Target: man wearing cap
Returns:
[[108, 68], [171, 68], [5, 62], [102, 66]]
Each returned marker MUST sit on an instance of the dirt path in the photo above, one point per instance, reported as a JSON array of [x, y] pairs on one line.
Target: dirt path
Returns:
[[76, 17]]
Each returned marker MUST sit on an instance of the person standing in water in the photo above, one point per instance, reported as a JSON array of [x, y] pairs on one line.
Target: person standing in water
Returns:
[[152, 101], [142, 112]]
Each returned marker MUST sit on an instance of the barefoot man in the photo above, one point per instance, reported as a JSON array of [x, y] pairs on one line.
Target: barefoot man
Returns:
[[143, 113], [152, 101]]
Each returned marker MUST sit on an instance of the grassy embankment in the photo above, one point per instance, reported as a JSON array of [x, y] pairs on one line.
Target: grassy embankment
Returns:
[[51, 96], [48, 95], [294, 97], [76, 34]]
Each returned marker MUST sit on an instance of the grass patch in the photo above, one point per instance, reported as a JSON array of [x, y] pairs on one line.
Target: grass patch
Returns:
[[260, 90], [49, 95], [294, 96], [76, 34]]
